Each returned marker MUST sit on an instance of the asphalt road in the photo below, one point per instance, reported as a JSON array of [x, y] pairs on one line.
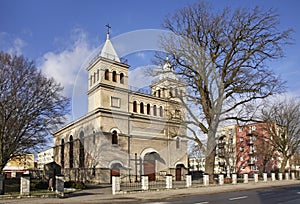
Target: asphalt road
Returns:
[[279, 195]]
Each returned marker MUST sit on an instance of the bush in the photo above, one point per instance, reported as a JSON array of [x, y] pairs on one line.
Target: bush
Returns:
[[41, 185], [74, 184]]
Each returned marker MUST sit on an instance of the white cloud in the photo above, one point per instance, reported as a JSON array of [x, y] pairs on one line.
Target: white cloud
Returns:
[[64, 66], [11, 44]]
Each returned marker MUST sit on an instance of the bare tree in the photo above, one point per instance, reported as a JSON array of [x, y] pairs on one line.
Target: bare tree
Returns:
[[30, 107], [283, 119], [221, 56]]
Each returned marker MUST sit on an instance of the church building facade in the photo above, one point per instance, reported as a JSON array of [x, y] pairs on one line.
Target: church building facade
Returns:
[[126, 132]]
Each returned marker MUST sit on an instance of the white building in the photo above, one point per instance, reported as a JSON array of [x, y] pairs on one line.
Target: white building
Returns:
[[44, 157]]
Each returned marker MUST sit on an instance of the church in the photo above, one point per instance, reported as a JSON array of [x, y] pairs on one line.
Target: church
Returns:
[[127, 132]]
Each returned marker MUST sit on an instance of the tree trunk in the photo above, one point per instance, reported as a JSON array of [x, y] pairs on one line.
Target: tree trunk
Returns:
[[209, 164], [283, 164]]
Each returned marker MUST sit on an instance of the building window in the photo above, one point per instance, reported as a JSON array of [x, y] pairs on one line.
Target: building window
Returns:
[[242, 158], [94, 77], [115, 102], [114, 139], [230, 140], [91, 80], [159, 93], [240, 129], [176, 92], [177, 143], [62, 153], [154, 110], [114, 75], [241, 139], [254, 168], [98, 75], [161, 111], [142, 107], [148, 109], [71, 152], [241, 149], [94, 137], [106, 74], [122, 78], [171, 92], [134, 106], [177, 113], [81, 149]]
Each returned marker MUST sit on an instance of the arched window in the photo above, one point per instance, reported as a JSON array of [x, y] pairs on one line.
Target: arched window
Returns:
[[161, 111], [62, 153], [148, 109], [114, 139], [122, 78], [81, 149], [154, 110], [134, 106], [114, 76], [158, 93], [177, 143], [71, 152], [141, 107], [106, 74], [171, 92]]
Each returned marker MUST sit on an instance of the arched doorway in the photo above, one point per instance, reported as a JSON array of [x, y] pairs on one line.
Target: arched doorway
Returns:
[[115, 169], [178, 172], [150, 165]]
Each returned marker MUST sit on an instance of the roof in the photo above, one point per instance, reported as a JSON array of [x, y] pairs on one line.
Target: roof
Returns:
[[108, 50]]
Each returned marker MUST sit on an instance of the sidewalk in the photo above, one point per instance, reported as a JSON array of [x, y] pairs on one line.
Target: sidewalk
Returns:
[[103, 194]]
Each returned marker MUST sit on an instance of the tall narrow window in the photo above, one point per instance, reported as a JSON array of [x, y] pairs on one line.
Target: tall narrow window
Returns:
[[171, 92], [148, 109], [91, 80], [98, 75], [134, 106], [71, 152], [114, 76], [176, 92], [177, 143], [161, 111], [106, 74], [81, 149], [154, 110], [122, 78], [95, 77], [141, 107], [114, 137], [62, 153], [94, 137], [159, 93]]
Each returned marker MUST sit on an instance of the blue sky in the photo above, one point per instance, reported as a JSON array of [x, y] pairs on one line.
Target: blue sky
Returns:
[[61, 34]]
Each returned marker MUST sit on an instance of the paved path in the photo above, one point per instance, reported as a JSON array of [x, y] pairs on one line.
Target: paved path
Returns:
[[103, 194]]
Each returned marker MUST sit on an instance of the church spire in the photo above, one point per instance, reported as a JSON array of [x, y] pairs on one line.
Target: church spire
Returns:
[[108, 50]]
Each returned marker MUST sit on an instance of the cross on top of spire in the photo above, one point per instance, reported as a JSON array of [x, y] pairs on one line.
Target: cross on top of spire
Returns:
[[108, 29]]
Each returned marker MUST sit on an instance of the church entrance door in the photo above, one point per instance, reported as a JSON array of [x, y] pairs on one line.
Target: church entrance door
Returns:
[[178, 172], [150, 165]]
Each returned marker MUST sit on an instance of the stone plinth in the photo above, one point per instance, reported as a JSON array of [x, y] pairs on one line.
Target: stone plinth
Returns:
[[25, 185]]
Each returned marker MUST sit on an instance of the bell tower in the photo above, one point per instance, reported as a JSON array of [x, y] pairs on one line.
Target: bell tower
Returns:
[[108, 76]]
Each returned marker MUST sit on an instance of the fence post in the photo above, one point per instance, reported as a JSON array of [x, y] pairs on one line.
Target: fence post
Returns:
[[115, 184], [188, 180], [280, 176], [25, 185], [245, 178], [206, 180], [234, 179], [145, 183], [59, 185], [273, 176], [287, 176], [265, 176], [221, 179], [168, 181], [293, 175], [1, 184], [255, 178]]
